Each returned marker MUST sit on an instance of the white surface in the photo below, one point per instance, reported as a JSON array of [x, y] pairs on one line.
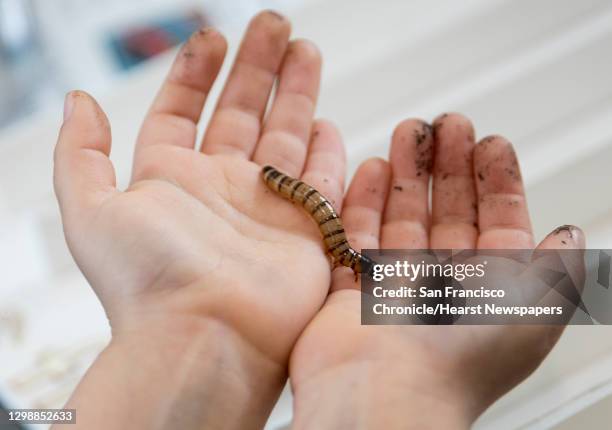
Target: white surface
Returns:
[[537, 72]]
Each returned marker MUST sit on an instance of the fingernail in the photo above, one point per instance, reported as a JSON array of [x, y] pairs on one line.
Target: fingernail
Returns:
[[275, 14], [68, 106], [205, 31], [570, 233]]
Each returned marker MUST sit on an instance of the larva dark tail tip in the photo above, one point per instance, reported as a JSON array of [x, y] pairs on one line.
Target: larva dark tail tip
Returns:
[[367, 266], [266, 169]]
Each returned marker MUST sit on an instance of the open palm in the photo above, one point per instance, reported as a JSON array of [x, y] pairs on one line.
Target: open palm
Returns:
[[478, 201], [197, 231]]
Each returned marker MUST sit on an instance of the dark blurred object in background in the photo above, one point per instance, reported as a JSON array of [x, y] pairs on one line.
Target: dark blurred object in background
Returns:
[[50, 47], [22, 65]]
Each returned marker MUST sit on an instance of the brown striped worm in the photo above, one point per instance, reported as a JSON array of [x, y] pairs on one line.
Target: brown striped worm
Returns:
[[321, 210]]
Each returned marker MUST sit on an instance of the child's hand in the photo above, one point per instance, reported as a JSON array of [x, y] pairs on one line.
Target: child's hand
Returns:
[[422, 376], [197, 237]]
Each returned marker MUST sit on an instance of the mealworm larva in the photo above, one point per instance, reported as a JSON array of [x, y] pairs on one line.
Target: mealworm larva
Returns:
[[321, 210]]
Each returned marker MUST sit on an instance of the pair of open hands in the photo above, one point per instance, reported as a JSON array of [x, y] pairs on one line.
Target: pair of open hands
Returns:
[[197, 241]]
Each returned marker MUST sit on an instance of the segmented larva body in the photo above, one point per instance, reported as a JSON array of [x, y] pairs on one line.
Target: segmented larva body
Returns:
[[321, 210]]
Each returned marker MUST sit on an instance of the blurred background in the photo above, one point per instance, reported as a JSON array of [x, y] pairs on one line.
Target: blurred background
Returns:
[[535, 71]]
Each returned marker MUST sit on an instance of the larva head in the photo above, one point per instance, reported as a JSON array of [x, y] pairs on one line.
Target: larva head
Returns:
[[267, 169], [266, 172]]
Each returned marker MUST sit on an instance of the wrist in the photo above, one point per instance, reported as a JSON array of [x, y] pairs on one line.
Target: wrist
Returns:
[[179, 372], [209, 366], [376, 394]]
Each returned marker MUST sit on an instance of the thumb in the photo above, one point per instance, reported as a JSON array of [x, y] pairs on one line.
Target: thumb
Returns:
[[83, 175], [562, 253], [563, 250]]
